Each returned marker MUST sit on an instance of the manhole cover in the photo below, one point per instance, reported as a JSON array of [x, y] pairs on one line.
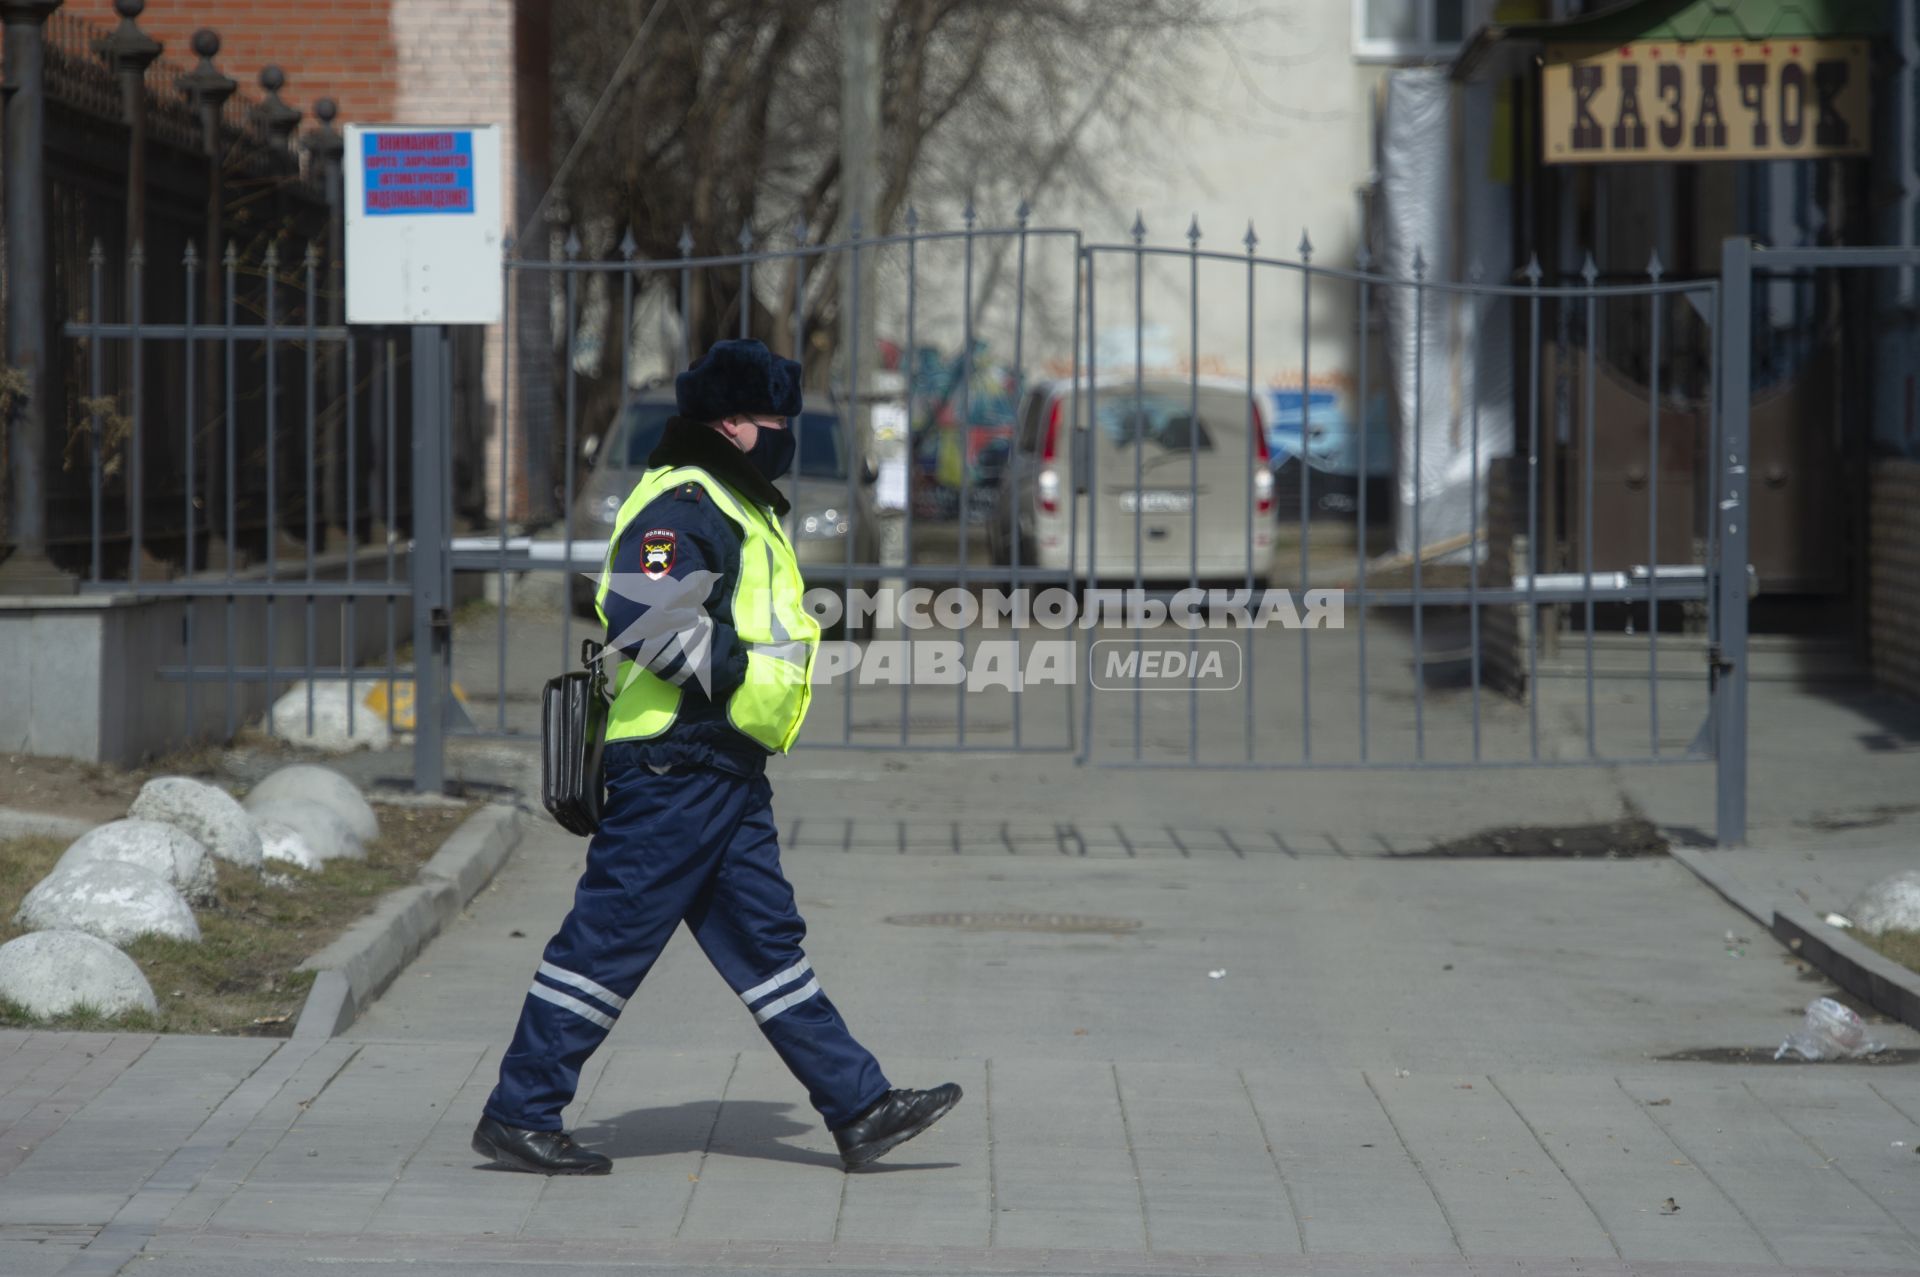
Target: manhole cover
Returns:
[[1016, 921]]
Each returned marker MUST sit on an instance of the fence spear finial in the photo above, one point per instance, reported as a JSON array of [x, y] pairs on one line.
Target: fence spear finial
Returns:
[[628, 245], [1139, 231], [1193, 232], [1306, 246], [685, 243]]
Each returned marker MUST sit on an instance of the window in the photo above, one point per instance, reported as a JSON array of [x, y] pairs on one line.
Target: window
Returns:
[[1410, 30], [820, 446], [1034, 412], [1161, 421], [645, 423]]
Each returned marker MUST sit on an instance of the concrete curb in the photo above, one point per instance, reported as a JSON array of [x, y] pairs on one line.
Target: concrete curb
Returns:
[[15, 823], [1885, 984], [366, 957]]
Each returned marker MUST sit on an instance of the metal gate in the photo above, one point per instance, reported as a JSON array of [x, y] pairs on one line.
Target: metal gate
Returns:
[[1311, 699], [1022, 464]]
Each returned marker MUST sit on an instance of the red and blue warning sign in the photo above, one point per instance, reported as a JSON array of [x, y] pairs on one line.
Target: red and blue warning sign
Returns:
[[428, 171]]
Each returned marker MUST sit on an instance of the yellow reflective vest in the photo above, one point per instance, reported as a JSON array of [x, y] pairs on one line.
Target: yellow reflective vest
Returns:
[[768, 615]]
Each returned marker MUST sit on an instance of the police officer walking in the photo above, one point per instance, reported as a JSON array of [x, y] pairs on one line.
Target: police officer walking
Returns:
[[702, 600]]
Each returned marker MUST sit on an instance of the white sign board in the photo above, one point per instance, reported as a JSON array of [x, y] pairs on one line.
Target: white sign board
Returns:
[[423, 224]]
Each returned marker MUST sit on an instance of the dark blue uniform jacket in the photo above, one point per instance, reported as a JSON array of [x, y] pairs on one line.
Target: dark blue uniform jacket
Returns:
[[684, 529]]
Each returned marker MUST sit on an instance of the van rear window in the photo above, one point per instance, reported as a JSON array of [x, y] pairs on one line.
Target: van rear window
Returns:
[[1167, 422]]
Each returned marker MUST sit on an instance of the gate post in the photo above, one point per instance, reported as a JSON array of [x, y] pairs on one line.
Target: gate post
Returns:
[[426, 569], [208, 90], [33, 398], [1727, 673]]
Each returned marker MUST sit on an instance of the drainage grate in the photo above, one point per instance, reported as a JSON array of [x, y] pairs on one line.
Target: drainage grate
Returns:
[[1071, 922]]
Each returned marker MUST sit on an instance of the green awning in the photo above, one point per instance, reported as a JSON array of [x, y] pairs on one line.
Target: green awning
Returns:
[[1499, 50]]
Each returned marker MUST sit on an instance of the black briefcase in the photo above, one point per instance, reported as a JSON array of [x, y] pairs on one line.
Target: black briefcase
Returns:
[[573, 733]]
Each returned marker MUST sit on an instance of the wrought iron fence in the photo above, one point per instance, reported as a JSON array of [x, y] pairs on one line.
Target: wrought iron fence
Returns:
[[142, 166], [1065, 392]]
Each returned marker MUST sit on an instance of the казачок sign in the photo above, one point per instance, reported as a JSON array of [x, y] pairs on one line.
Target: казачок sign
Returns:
[[423, 224], [1705, 100]]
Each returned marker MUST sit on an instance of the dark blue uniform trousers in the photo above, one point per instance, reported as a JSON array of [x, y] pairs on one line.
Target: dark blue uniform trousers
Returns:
[[694, 845]]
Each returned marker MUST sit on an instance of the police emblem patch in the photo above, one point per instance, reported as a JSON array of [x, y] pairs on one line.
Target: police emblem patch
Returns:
[[656, 552]]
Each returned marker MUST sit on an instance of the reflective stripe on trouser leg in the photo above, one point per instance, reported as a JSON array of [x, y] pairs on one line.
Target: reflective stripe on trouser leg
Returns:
[[660, 841], [750, 929]]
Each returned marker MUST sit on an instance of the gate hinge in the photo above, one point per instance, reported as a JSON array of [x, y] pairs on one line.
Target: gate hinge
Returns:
[[1716, 664]]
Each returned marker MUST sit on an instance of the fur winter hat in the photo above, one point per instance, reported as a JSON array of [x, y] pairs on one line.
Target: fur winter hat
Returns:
[[738, 378]]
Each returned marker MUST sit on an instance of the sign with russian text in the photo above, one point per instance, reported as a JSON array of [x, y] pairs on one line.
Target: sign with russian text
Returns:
[[429, 172], [423, 224], [1705, 100]]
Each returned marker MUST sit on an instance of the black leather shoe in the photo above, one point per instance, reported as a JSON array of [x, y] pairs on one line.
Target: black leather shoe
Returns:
[[541, 1152], [897, 1118]]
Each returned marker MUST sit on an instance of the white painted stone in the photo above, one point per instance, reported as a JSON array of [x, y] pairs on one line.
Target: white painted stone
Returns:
[[205, 812], [166, 850], [325, 830], [330, 731], [53, 972], [107, 898], [282, 842], [1892, 904], [322, 785]]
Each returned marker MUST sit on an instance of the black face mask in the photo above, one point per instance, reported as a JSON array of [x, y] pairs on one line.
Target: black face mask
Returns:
[[772, 453]]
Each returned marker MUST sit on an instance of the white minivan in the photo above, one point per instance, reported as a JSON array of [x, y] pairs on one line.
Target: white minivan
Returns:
[[1176, 470]]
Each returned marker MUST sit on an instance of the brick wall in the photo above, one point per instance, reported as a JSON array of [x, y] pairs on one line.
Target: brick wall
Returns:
[[342, 49], [415, 62], [1893, 593], [484, 62]]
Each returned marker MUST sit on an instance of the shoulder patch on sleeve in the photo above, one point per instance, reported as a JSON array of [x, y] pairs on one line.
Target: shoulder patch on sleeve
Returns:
[[658, 547]]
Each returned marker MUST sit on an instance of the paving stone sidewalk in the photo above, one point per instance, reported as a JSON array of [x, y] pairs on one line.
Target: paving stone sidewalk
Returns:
[[1094, 1166], [1407, 1066]]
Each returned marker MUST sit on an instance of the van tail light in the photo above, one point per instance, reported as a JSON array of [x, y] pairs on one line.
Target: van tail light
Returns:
[[1263, 471], [1048, 480]]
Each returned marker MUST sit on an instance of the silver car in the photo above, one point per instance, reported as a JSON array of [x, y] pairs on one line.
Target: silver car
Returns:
[[1187, 488], [828, 513]]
